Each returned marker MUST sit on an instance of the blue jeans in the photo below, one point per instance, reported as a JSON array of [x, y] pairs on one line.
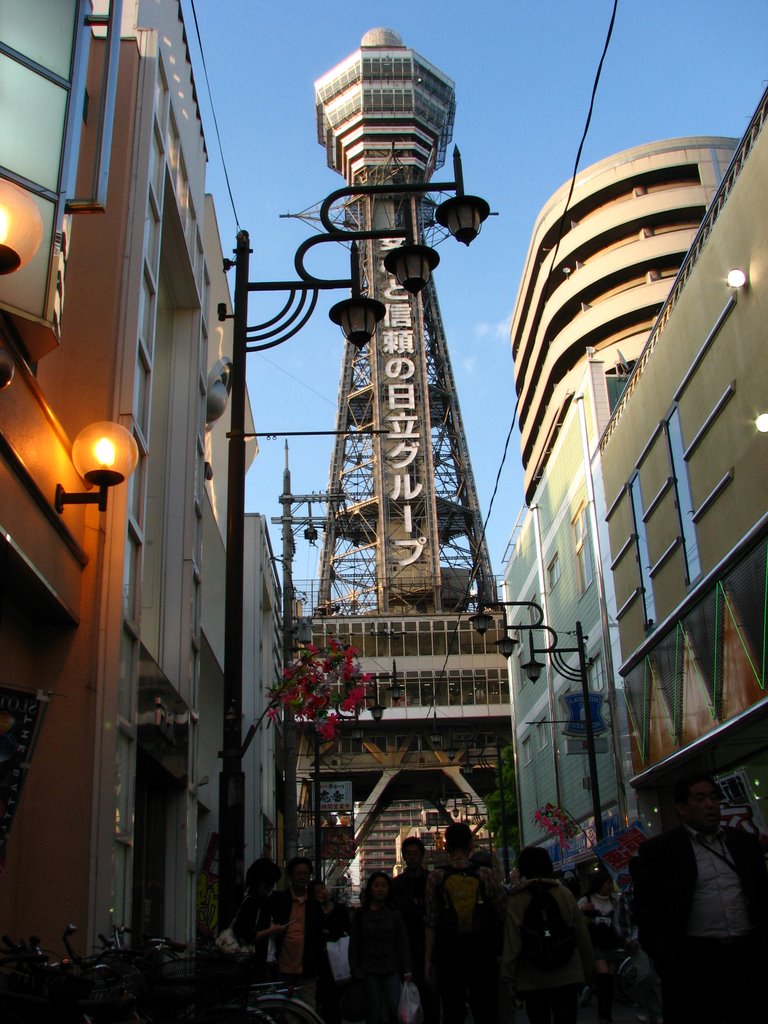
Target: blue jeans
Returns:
[[382, 994]]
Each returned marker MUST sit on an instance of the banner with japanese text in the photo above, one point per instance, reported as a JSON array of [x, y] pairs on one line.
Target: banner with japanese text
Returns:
[[21, 711]]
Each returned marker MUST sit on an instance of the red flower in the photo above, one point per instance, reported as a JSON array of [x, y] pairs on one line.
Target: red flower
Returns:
[[320, 684]]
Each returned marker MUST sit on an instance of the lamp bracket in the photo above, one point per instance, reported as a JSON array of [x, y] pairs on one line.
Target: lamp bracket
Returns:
[[80, 498]]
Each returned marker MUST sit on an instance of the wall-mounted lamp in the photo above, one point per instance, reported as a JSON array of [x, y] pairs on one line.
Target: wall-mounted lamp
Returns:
[[7, 368], [736, 278], [104, 454], [761, 422], [21, 227]]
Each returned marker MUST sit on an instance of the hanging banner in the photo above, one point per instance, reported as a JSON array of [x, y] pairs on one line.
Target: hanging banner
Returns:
[[20, 713]]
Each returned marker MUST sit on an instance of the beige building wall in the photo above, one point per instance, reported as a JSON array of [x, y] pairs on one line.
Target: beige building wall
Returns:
[[597, 275], [703, 497]]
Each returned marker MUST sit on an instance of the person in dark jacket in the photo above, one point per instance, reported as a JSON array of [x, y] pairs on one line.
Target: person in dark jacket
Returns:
[[335, 924], [701, 907], [408, 896], [551, 993], [378, 950], [298, 946], [253, 924]]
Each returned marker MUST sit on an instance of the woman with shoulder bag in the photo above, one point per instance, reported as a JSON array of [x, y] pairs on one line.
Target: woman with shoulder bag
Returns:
[[253, 927], [335, 925], [379, 951]]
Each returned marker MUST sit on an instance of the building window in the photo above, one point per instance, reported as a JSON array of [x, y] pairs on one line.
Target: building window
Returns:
[[541, 734], [553, 572], [641, 546], [595, 678], [582, 547], [683, 496], [527, 756]]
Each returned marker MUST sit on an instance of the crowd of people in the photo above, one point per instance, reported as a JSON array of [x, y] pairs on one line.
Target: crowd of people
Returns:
[[698, 907]]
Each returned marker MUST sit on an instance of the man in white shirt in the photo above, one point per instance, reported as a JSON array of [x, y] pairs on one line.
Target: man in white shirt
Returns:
[[701, 906]]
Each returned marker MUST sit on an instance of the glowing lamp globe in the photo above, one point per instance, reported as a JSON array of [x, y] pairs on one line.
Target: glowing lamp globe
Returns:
[[21, 227], [105, 454]]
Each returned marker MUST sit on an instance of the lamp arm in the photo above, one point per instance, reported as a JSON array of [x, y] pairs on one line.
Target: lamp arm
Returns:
[[337, 236], [287, 327]]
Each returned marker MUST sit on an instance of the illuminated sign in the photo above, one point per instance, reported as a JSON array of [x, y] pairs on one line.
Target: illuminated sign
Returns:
[[402, 391]]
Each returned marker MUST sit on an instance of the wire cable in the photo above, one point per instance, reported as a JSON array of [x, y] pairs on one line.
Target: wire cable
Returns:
[[577, 161], [213, 114], [561, 224]]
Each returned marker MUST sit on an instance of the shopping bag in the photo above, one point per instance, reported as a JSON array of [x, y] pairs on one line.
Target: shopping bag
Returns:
[[409, 1009], [338, 958]]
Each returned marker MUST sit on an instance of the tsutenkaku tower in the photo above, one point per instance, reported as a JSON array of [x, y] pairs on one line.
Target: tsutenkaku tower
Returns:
[[405, 535]]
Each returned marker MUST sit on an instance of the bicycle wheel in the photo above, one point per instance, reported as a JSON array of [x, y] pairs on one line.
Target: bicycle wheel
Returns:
[[286, 1010], [624, 981]]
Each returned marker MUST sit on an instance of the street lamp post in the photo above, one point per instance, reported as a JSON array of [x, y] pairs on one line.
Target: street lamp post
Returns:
[[462, 215], [482, 620]]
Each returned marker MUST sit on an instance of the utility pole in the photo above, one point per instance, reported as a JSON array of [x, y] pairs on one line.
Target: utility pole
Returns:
[[594, 784], [290, 808], [290, 803]]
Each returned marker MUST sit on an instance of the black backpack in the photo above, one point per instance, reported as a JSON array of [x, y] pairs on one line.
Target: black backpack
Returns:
[[547, 941]]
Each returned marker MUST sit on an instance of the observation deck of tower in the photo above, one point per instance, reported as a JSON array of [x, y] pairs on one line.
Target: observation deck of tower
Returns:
[[403, 554], [406, 534]]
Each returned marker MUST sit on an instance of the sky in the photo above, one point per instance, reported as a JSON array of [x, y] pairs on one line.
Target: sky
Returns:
[[524, 75]]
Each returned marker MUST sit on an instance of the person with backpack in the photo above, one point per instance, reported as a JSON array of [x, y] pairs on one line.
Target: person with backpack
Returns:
[[547, 950], [465, 906]]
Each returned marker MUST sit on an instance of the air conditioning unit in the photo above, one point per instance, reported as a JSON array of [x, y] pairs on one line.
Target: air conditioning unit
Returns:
[[334, 762]]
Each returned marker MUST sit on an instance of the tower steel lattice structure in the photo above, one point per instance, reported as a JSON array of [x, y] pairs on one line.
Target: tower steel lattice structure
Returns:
[[405, 533]]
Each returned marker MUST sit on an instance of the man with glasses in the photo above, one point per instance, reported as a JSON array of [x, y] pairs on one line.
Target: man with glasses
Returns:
[[701, 906]]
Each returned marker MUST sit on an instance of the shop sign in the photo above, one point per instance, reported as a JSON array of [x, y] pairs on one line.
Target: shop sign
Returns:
[[20, 713], [336, 796]]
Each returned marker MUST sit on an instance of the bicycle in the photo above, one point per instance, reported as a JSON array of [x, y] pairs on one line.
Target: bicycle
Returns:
[[624, 981], [214, 988], [280, 1006]]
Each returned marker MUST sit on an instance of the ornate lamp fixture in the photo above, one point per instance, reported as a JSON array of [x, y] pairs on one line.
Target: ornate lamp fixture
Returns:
[[104, 454]]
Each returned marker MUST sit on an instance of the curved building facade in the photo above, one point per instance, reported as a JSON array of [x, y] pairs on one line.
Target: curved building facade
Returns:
[[600, 265]]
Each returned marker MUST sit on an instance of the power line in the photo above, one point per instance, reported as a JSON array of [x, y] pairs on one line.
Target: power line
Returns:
[[213, 114], [587, 123], [561, 224]]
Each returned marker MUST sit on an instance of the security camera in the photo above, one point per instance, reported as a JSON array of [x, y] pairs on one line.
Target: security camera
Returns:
[[7, 369]]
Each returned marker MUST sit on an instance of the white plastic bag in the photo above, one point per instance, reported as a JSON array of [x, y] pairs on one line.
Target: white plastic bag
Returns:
[[338, 958], [409, 1009]]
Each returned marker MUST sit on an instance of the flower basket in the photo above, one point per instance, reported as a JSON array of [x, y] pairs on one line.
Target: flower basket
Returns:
[[323, 685], [557, 821]]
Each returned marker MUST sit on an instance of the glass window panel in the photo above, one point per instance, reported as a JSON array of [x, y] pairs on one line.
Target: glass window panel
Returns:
[[641, 541], [136, 484], [130, 579], [40, 29], [684, 497], [123, 779], [147, 314], [157, 166], [127, 661], [31, 125], [141, 393]]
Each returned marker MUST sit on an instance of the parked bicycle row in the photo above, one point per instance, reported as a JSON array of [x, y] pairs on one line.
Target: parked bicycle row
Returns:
[[156, 981]]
